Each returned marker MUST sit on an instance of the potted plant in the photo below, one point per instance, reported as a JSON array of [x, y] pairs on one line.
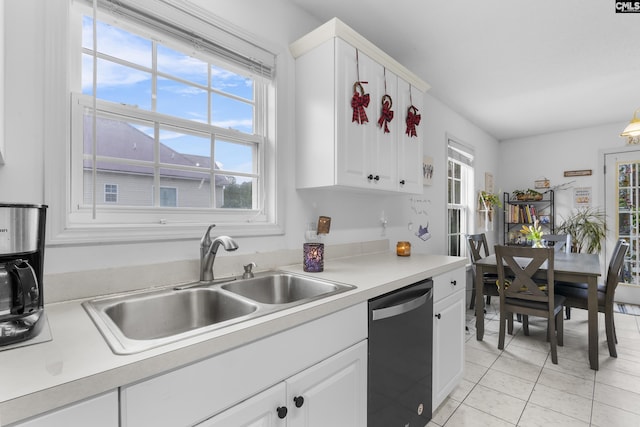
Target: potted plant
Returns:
[[587, 227], [486, 203]]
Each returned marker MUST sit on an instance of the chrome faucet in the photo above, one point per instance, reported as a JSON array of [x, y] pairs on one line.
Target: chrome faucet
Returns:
[[208, 250]]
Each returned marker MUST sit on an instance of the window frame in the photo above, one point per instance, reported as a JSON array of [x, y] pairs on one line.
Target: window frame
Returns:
[[465, 207], [65, 225]]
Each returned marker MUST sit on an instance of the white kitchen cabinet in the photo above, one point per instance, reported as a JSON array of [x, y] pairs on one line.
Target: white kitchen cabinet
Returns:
[[334, 151], [197, 392], [100, 411], [330, 393], [448, 333]]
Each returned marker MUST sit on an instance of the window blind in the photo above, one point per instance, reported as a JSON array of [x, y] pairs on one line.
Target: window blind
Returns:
[[205, 32], [460, 152]]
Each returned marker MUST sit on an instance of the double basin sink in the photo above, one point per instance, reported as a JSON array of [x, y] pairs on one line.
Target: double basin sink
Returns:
[[138, 321]]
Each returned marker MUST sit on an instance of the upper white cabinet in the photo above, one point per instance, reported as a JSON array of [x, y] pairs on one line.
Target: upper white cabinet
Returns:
[[331, 148]]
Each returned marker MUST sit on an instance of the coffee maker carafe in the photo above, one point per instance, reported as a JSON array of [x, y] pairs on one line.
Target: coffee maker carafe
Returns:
[[22, 228]]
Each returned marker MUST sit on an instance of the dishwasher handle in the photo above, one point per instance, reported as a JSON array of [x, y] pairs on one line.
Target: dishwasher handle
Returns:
[[396, 310]]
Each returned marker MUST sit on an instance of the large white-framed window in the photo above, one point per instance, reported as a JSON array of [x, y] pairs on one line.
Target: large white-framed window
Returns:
[[162, 95], [459, 196]]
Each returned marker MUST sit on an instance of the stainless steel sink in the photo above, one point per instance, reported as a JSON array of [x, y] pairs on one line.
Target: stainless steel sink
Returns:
[[164, 314], [281, 288], [137, 321]]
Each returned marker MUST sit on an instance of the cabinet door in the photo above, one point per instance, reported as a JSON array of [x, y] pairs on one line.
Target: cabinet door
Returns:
[[101, 411], [363, 149], [331, 393], [409, 147], [259, 411], [448, 345]]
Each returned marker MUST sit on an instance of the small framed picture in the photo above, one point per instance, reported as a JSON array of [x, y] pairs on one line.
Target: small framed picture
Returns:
[[545, 219], [427, 170]]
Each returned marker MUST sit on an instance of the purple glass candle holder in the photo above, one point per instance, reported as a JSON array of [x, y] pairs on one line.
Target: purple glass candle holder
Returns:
[[313, 257]]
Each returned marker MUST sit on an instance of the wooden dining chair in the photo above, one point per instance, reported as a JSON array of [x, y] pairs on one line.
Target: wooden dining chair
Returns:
[[559, 242], [478, 249], [520, 293], [577, 294]]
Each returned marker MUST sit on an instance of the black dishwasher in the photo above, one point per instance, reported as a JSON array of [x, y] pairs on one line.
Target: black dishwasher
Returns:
[[400, 345]]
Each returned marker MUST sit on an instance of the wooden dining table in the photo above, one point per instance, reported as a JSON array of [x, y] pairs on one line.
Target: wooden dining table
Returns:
[[568, 267]]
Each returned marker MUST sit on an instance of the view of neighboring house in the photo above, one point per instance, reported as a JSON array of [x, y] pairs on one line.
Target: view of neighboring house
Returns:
[[125, 171]]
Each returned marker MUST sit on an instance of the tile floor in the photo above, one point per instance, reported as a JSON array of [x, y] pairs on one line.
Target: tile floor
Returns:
[[519, 386]]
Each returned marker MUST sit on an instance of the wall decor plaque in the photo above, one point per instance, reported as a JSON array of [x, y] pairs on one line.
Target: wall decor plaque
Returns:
[[583, 172]]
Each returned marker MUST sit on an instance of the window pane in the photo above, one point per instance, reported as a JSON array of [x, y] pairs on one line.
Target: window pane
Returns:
[[117, 42], [235, 84], [457, 192], [234, 157], [234, 192], [179, 148], [119, 138], [231, 114], [192, 188], [183, 66], [121, 84], [181, 100], [133, 183], [168, 196]]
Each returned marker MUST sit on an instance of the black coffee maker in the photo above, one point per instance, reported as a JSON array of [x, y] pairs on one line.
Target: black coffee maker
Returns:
[[22, 230]]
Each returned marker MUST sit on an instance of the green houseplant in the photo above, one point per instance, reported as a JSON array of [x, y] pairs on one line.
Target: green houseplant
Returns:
[[587, 227]]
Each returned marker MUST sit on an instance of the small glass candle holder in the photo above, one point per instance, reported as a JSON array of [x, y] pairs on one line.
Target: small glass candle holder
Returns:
[[313, 257], [403, 249]]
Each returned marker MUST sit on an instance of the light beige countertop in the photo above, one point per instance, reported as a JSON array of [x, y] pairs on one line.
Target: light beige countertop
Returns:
[[77, 363]]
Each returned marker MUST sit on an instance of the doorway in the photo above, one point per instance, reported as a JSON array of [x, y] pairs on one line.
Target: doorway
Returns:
[[622, 208]]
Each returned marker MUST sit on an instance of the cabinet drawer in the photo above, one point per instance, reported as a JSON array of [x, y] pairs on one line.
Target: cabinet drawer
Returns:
[[447, 283]]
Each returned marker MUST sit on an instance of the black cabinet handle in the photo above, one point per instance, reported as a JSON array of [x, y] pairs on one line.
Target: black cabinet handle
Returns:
[[402, 182], [454, 282], [282, 411], [438, 315], [299, 401]]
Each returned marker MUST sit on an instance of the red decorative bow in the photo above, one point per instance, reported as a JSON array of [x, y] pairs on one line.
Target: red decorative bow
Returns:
[[413, 120], [359, 102], [387, 114]]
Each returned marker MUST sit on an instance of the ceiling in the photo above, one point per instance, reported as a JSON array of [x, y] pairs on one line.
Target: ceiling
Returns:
[[514, 68]]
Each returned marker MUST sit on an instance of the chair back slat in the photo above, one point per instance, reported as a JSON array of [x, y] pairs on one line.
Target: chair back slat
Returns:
[[615, 268], [517, 267], [478, 247]]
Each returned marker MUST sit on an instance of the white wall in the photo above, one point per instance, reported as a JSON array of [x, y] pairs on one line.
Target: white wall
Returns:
[[355, 217], [525, 160]]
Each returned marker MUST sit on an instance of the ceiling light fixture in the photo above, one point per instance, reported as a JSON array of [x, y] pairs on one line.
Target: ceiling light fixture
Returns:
[[632, 131]]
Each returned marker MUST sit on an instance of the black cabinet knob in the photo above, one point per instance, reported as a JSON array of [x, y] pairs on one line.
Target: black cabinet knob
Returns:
[[454, 282], [370, 177], [282, 411], [299, 401], [377, 177], [438, 315], [402, 182]]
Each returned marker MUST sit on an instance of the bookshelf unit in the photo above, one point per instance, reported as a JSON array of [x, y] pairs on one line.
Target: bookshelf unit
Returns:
[[524, 212]]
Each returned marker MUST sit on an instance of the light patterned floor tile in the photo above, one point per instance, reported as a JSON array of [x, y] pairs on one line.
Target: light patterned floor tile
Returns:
[[567, 383], [617, 397], [619, 379], [509, 384], [459, 393], [473, 372], [496, 403], [608, 416], [466, 416], [444, 411], [539, 416], [480, 357], [517, 368], [566, 403]]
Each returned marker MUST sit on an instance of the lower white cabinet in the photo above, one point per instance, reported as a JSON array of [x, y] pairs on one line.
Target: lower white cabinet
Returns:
[[100, 411], [330, 393], [322, 360], [448, 333]]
